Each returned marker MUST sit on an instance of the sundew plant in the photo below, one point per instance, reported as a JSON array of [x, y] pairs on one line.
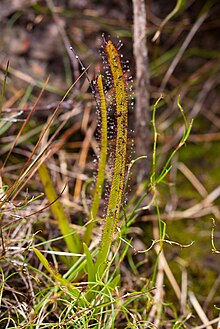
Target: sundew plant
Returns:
[[80, 286]]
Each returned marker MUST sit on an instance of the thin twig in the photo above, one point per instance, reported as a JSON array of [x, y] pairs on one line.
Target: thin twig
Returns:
[[142, 116]]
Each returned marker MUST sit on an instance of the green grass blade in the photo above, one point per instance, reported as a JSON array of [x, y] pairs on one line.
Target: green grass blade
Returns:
[[72, 240], [90, 265], [154, 156], [179, 5], [3, 88], [55, 275]]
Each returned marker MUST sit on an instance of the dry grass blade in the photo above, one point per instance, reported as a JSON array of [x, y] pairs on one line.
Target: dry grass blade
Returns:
[[199, 310], [24, 125], [182, 49]]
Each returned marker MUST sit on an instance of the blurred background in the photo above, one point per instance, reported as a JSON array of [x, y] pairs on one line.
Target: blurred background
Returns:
[[182, 61]]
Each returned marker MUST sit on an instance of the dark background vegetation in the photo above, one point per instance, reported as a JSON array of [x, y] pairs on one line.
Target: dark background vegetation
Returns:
[[35, 36]]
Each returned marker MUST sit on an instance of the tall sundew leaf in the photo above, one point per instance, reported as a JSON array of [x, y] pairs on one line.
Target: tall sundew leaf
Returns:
[[119, 166], [102, 162]]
